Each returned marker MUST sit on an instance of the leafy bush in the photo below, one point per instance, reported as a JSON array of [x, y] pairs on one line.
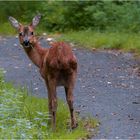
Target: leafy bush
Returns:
[[107, 40], [26, 117], [76, 15], [13, 123]]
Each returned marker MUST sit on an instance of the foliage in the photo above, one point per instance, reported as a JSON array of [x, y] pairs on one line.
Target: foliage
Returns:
[[13, 121], [63, 15], [107, 24], [26, 117], [106, 40]]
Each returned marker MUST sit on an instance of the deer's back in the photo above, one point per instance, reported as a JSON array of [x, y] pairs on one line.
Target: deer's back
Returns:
[[61, 63], [61, 58]]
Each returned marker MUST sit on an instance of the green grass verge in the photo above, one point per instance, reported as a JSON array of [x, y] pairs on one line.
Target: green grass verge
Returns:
[[7, 29], [106, 40], [91, 39], [26, 117]]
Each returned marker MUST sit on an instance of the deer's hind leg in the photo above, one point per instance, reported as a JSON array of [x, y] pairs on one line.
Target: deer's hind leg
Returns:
[[69, 97]]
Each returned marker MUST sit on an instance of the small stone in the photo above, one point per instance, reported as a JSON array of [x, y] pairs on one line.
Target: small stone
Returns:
[[44, 34], [135, 102], [16, 67], [124, 85], [29, 64], [113, 113], [15, 44], [74, 49], [36, 88], [50, 39], [109, 83], [72, 44], [83, 86], [94, 49], [4, 71], [93, 97]]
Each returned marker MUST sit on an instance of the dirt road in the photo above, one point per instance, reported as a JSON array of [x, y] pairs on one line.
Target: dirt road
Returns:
[[108, 86]]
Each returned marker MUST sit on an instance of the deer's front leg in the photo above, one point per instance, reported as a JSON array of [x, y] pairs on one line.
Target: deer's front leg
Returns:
[[49, 98], [52, 100]]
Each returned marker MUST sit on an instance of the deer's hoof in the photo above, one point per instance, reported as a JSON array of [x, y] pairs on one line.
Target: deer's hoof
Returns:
[[74, 126]]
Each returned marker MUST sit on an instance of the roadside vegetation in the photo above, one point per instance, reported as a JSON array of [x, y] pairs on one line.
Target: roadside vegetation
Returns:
[[113, 24], [26, 117], [92, 24], [106, 40]]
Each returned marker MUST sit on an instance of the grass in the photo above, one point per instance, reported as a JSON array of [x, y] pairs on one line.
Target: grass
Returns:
[[106, 40], [7, 29], [91, 39], [26, 117]]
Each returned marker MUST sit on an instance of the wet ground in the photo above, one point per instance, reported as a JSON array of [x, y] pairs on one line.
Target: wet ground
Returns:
[[108, 86]]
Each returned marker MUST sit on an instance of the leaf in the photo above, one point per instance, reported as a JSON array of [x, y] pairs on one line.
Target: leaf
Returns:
[[44, 124], [39, 113]]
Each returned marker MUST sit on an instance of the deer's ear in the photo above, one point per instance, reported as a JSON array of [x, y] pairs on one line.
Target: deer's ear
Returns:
[[14, 23], [36, 20]]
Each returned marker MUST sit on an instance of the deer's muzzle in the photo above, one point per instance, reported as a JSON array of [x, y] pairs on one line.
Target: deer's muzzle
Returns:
[[26, 43]]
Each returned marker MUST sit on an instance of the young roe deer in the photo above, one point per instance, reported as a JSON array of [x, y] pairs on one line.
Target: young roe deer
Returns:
[[57, 64]]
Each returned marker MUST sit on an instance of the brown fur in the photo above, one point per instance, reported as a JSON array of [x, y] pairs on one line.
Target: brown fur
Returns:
[[58, 66]]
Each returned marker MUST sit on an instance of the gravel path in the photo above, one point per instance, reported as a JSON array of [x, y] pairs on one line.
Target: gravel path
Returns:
[[108, 86]]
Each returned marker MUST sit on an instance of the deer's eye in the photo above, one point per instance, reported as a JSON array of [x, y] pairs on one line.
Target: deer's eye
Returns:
[[32, 33], [21, 33]]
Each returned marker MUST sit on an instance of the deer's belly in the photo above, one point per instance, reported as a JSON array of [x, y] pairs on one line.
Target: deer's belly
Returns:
[[62, 80]]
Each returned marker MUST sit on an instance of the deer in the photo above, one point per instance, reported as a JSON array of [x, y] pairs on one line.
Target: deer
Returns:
[[57, 66]]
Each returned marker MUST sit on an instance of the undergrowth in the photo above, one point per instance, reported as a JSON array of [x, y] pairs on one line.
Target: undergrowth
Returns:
[[7, 29], [106, 40], [127, 41], [26, 117]]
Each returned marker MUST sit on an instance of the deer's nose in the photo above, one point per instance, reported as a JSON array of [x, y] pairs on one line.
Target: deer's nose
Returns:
[[26, 42]]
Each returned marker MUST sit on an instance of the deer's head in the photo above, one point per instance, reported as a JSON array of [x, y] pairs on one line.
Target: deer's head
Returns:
[[26, 33]]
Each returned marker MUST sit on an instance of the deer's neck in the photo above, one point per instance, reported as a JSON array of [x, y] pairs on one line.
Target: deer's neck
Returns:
[[36, 53]]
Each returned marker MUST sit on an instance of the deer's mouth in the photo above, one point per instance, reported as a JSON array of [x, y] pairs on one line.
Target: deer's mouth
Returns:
[[27, 44]]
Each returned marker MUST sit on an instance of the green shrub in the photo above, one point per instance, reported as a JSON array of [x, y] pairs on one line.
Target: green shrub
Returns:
[[106, 40], [26, 117], [63, 15]]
